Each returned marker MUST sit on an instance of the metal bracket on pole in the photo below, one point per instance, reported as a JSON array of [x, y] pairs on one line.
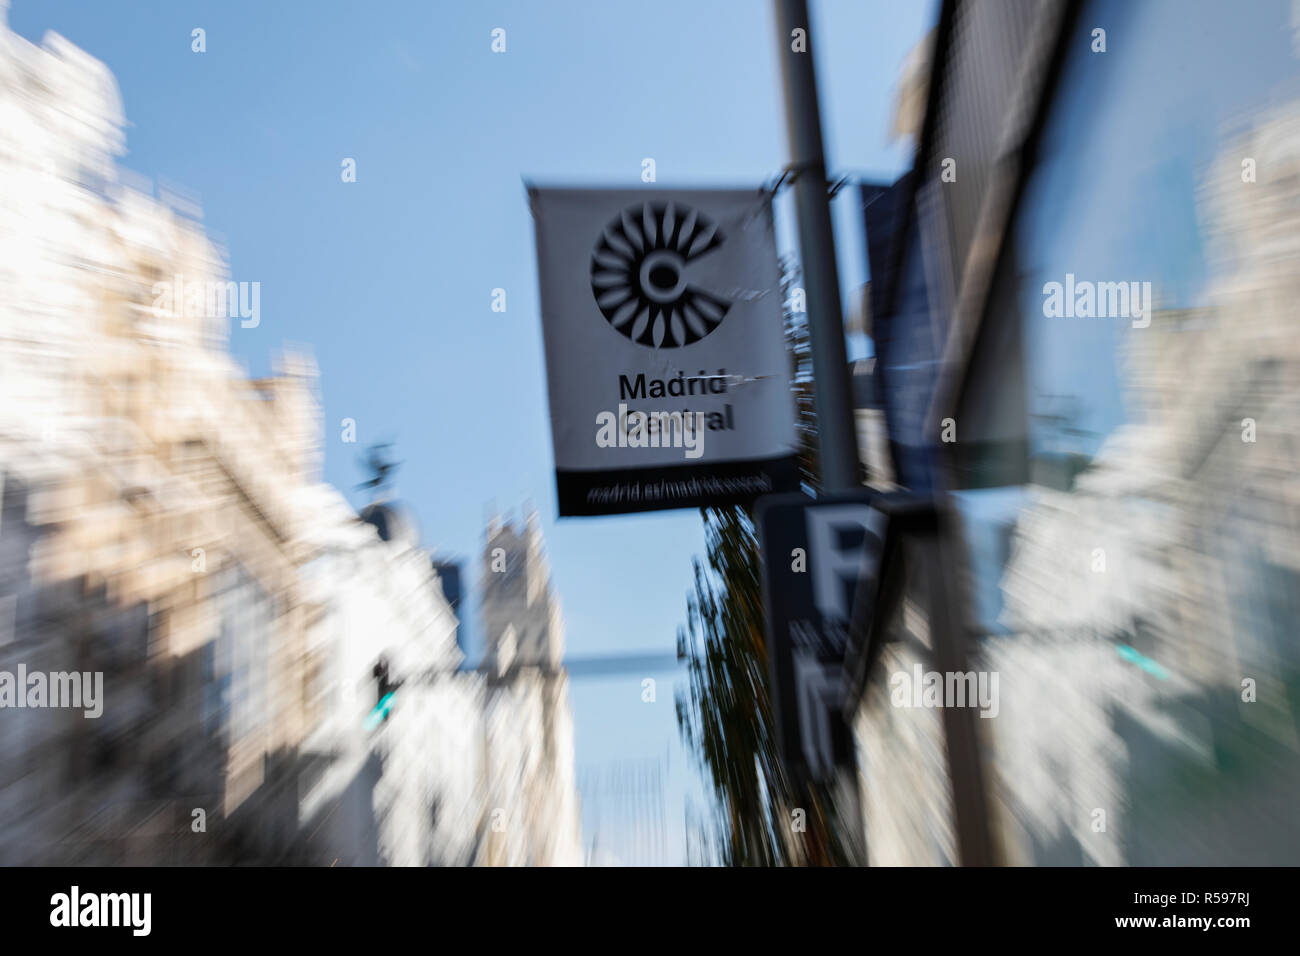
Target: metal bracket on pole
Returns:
[[789, 176]]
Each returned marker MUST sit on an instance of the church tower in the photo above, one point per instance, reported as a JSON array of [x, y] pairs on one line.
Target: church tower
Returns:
[[528, 747], [521, 617]]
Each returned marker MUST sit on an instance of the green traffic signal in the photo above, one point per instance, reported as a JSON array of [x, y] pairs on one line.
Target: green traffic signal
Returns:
[[380, 711]]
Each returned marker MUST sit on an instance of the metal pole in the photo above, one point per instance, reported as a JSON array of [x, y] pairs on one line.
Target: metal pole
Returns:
[[836, 435], [837, 438]]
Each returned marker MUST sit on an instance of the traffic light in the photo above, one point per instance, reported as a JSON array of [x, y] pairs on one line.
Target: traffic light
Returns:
[[384, 691], [382, 685]]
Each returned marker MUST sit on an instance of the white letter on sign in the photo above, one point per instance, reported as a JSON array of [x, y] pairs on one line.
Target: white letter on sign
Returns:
[[835, 568]]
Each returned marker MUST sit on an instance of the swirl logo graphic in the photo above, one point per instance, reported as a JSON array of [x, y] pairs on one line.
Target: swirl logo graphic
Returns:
[[638, 275]]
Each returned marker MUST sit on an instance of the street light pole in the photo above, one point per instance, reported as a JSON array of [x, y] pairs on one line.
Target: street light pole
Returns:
[[836, 435]]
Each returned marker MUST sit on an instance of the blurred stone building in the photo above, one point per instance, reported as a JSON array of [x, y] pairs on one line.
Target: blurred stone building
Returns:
[[149, 529], [532, 788], [401, 786], [163, 522]]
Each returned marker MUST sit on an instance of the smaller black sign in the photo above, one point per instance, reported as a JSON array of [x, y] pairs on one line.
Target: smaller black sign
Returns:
[[814, 553]]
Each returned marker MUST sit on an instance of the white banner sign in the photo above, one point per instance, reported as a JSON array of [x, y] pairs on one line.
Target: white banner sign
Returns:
[[668, 375]]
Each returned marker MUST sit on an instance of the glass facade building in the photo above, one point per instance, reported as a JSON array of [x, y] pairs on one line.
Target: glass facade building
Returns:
[[1113, 291]]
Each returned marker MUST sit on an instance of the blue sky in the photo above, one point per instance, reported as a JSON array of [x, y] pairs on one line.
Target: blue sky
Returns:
[[389, 279]]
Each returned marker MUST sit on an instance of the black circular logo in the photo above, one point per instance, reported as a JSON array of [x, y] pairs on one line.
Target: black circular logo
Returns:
[[638, 275]]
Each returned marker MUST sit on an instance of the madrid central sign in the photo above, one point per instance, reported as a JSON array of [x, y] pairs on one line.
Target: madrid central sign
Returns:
[[668, 375]]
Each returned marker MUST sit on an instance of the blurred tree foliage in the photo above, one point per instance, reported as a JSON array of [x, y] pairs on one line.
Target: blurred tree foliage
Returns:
[[725, 715]]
